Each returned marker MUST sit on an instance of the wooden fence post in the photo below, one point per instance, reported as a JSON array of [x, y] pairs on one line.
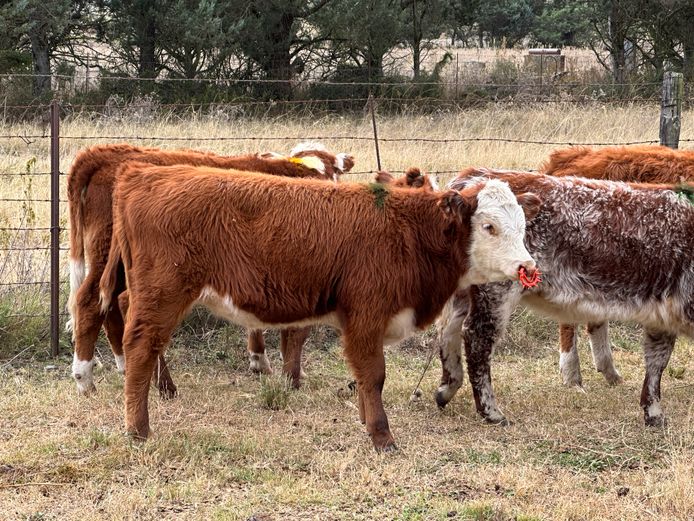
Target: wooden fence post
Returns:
[[55, 227], [671, 109], [372, 110]]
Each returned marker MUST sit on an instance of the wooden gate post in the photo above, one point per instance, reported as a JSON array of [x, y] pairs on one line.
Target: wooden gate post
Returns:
[[671, 109]]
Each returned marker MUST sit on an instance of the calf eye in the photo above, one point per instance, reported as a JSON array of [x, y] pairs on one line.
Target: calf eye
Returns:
[[489, 228]]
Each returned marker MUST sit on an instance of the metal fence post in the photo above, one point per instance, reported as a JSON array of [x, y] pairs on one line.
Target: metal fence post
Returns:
[[55, 226], [671, 109]]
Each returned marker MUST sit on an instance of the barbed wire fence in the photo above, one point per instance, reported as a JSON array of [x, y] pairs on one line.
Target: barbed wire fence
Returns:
[[31, 286]]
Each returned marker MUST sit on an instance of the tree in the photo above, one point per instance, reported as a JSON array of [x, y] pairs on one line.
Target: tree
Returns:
[[273, 33], [424, 20], [507, 21], [564, 23], [366, 31], [40, 27]]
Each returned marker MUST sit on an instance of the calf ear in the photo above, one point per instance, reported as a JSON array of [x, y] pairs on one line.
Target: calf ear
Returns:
[[530, 204], [344, 162], [384, 177], [458, 206]]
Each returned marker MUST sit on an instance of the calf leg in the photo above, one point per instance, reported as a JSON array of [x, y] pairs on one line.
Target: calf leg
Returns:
[[114, 328], [291, 345], [657, 348], [450, 350], [256, 352], [86, 325], [602, 353], [490, 308], [569, 365], [365, 356], [147, 333]]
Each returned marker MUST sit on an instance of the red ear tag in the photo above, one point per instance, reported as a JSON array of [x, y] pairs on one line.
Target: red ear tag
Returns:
[[529, 281]]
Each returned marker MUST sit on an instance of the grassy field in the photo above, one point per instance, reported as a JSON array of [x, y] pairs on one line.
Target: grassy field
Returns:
[[219, 452]]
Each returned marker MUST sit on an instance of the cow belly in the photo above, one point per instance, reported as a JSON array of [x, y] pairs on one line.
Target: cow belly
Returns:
[[665, 314], [223, 306]]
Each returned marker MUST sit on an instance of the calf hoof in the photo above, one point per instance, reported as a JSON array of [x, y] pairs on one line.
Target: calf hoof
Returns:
[[441, 399], [260, 364], [613, 378], [572, 380], [655, 421], [499, 420], [168, 392], [384, 443], [137, 434]]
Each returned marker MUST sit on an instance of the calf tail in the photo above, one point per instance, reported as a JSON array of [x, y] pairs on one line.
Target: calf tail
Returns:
[[109, 278], [77, 182]]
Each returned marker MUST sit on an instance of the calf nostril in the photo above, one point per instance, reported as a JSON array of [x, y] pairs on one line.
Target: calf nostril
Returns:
[[78, 377]]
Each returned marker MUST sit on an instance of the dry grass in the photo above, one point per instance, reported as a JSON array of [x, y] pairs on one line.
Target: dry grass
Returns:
[[218, 452]]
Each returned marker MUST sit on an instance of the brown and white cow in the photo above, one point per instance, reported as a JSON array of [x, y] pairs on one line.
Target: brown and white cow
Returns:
[[607, 250], [90, 186], [373, 261], [638, 164]]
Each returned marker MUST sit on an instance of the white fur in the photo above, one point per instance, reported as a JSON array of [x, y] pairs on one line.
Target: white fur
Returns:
[[434, 182], [570, 368], [83, 373], [496, 257], [78, 273], [400, 327], [120, 364], [654, 410], [307, 146], [340, 161], [260, 363], [602, 353]]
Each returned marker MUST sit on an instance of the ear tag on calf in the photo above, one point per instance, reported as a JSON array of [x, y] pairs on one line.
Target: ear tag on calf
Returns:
[[529, 281], [308, 161]]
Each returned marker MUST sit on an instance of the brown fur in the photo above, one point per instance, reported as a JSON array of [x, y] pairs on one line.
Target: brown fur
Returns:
[[284, 250], [413, 178], [90, 186]]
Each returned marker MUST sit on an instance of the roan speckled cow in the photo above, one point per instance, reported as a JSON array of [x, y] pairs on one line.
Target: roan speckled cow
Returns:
[[607, 250]]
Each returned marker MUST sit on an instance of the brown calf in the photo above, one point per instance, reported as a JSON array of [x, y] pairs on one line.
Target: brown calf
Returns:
[[292, 340], [90, 186], [375, 262], [642, 164]]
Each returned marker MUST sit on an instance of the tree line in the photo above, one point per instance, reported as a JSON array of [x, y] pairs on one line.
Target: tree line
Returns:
[[338, 40]]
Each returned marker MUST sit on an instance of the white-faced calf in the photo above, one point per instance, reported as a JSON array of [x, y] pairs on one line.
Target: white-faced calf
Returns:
[[279, 252]]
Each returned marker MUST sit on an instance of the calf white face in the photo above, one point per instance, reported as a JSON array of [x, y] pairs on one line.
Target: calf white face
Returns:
[[497, 231]]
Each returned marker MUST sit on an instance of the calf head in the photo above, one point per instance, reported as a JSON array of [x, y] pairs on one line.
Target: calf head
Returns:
[[316, 156], [413, 178], [496, 219]]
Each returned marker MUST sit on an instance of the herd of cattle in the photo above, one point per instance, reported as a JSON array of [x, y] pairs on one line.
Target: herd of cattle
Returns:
[[161, 231]]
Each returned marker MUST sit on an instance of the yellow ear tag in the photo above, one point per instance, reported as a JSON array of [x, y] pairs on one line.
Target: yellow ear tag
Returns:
[[310, 162]]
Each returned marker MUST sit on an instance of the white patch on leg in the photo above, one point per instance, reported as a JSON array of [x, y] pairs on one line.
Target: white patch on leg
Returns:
[[83, 373], [602, 354], [260, 363], [491, 412], [570, 368], [120, 364], [654, 410]]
